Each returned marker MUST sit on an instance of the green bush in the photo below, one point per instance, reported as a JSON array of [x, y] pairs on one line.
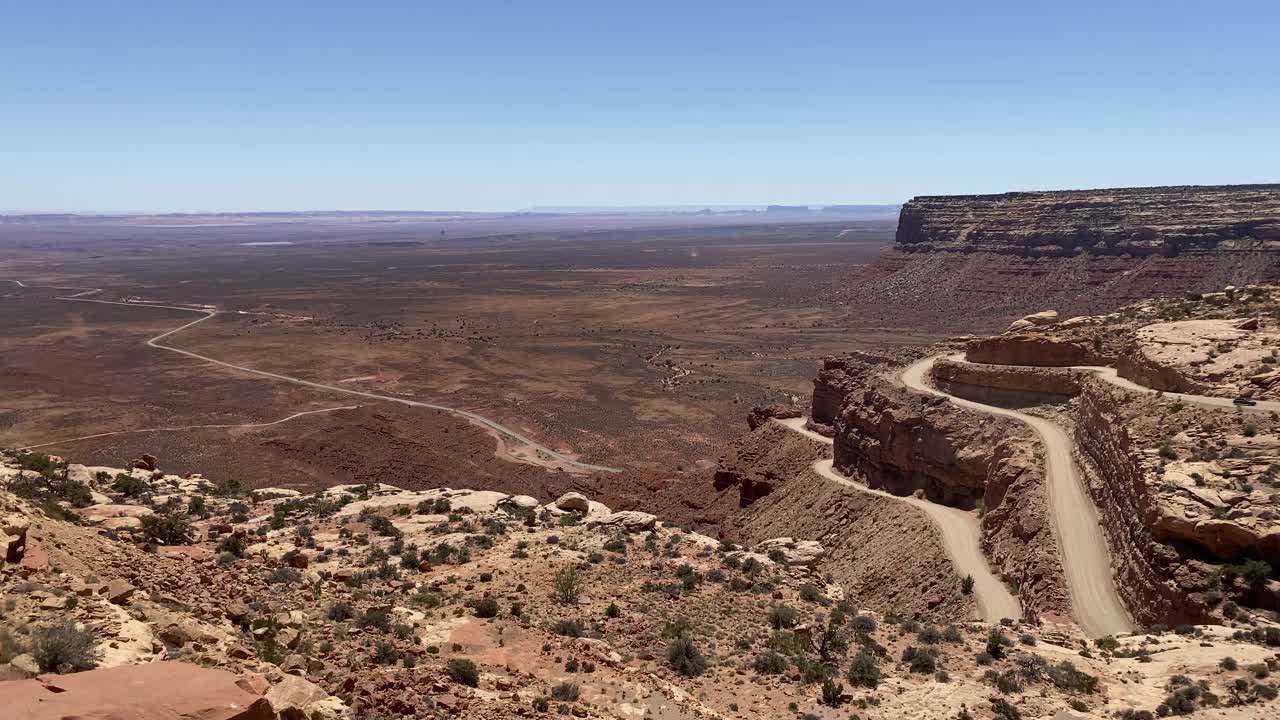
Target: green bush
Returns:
[[167, 529], [864, 671], [568, 585], [565, 692], [63, 648], [770, 663], [464, 672], [683, 657], [128, 485], [486, 608]]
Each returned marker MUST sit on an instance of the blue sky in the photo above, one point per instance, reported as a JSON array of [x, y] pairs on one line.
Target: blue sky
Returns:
[[178, 106]]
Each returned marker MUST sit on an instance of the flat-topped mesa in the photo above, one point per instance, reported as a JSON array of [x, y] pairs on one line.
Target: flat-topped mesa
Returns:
[[1165, 221]]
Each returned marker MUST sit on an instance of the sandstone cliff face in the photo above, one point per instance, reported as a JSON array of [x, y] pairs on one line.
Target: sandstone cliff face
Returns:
[[1140, 222], [901, 442], [1007, 385], [1080, 252], [1156, 583], [1036, 350]]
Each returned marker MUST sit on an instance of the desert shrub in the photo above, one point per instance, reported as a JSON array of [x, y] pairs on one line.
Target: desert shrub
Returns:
[[1108, 643], [952, 634], [377, 618], [863, 624], [384, 653], [486, 608], [1005, 709], [1006, 682], [685, 658], [781, 616], [166, 529], [565, 692], [929, 635], [996, 644], [678, 628], [286, 575], [384, 527], [568, 585], [612, 611], [341, 611], [864, 671], [920, 660], [568, 628], [233, 543], [810, 592], [966, 584], [464, 672], [770, 663], [831, 691], [128, 485], [63, 648]]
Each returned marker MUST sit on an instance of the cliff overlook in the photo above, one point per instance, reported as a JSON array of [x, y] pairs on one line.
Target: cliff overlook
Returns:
[[1082, 251]]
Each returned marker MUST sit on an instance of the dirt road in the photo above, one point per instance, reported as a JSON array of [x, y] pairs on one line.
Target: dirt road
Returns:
[[178, 428], [542, 451], [1095, 604], [961, 537]]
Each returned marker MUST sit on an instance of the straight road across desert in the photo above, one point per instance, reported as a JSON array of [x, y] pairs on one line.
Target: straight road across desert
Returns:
[[958, 529]]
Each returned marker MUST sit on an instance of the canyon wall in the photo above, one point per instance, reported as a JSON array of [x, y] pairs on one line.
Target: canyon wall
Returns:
[[904, 443], [1157, 584], [1007, 385], [1080, 252], [885, 553]]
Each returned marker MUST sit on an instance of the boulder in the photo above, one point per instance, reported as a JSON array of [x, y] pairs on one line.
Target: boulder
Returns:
[[295, 698], [627, 521], [147, 462], [1019, 326], [793, 552], [25, 665], [153, 691], [119, 592], [576, 502], [1045, 317], [13, 536], [521, 503]]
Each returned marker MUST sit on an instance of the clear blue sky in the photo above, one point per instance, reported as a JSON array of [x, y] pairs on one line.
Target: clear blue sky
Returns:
[[478, 105]]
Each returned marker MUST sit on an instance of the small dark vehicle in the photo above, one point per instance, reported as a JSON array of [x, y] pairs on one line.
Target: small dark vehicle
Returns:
[[1245, 401]]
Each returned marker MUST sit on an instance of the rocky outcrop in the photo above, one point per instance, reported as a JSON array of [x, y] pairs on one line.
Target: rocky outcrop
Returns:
[[760, 415], [1158, 586], [839, 376], [1007, 385], [763, 460], [154, 691], [1037, 350]]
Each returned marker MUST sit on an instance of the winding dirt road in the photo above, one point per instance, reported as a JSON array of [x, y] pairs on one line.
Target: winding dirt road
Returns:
[[958, 529], [154, 342], [1095, 604]]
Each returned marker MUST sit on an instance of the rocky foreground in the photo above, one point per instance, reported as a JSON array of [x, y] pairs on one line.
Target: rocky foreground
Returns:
[[133, 593]]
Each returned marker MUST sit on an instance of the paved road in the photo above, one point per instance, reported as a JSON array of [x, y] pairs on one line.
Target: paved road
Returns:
[[1095, 604], [206, 314], [959, 531]]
